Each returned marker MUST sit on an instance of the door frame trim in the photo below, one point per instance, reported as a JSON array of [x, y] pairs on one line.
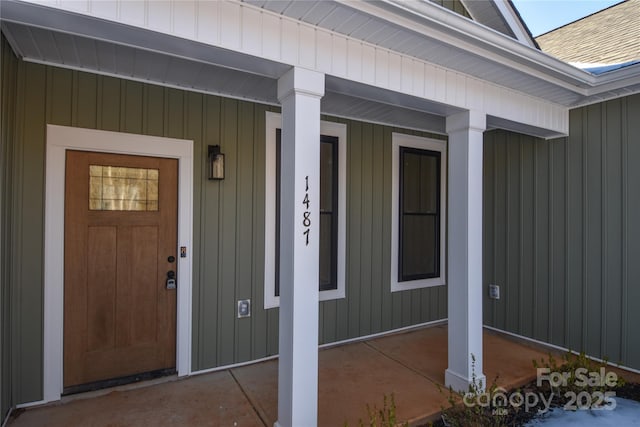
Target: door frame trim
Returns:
[[59, 140]]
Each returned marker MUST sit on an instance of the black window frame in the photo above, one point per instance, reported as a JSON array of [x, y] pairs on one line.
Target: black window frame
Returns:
[[401, 214], [333, 284]]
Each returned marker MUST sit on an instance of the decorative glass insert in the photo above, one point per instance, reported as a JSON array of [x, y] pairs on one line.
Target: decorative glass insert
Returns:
[[116, 188]]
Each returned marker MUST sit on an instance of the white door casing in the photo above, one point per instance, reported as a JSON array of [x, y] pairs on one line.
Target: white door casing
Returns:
[[59, 140]]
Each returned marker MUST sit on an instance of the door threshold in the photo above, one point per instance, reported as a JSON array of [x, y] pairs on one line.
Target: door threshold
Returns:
[[131, 382]]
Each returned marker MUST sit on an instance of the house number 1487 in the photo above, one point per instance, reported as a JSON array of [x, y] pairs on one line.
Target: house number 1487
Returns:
[[306, 215]]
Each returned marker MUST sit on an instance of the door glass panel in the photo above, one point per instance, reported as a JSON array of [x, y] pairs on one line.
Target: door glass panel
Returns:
[[115, 188]]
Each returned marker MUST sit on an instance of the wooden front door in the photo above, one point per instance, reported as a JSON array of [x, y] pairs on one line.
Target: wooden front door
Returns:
[[120, 245]]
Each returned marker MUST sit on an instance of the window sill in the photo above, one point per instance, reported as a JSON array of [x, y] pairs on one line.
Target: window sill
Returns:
[[333, 294], [416, 284]]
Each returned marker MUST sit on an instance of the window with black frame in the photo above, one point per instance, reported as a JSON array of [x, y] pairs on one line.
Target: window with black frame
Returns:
[[419, 228], [328, 231]]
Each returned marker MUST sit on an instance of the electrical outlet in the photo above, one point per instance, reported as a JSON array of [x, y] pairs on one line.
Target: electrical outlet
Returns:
[[244, 308], [494, 291]]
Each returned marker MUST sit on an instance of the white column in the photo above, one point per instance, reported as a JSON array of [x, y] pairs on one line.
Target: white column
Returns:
[[299, 92], [465, 132]]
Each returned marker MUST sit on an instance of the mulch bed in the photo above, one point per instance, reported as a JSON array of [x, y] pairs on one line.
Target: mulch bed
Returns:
[[629, 391]]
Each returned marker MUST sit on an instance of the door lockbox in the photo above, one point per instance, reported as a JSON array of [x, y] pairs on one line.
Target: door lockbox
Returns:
[[171, 279]]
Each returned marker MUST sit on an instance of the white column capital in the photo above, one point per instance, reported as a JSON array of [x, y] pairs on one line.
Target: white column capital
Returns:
[[467, 120], [300, 80]]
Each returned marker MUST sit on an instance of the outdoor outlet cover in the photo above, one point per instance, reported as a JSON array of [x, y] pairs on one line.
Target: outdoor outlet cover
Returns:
[[494, 291], [244, 308]]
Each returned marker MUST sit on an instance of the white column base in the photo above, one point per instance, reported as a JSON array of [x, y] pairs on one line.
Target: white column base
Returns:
[[461, 383]]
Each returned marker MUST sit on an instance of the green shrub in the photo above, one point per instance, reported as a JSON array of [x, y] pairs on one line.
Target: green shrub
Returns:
[[383, 417]]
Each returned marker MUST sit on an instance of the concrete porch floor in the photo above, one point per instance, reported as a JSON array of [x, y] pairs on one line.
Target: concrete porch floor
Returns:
[[408, 364]]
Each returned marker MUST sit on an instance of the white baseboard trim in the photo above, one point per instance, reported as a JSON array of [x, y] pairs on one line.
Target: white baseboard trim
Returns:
[[30, 404], [233, 365], [385, 333], [557, 347]]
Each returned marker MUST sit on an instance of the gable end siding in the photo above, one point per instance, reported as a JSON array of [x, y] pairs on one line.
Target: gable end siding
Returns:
[[453, 5]]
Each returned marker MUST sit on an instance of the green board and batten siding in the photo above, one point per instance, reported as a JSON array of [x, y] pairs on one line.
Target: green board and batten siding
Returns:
[[561, 235], [8, 70], [228, 245], [453, 5]]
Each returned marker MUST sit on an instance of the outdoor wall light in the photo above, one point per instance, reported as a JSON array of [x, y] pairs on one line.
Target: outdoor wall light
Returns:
[[216, 162]]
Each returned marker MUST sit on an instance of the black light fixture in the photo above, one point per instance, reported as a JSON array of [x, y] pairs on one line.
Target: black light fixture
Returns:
[[216, 162]]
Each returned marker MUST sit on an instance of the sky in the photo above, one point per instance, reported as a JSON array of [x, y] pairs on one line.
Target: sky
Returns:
[[545, 15]]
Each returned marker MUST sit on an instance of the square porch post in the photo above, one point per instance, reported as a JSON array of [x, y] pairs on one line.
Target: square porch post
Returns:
[[299, 92], [465, 132]]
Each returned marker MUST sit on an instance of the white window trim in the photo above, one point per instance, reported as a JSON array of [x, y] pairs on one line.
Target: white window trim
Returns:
[[339, 130], [401, 140], [59, 140]]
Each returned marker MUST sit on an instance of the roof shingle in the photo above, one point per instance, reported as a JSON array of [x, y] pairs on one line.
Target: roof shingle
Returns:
[[610, 36]]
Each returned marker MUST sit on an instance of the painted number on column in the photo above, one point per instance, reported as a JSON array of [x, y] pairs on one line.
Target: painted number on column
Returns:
[[306, 215]]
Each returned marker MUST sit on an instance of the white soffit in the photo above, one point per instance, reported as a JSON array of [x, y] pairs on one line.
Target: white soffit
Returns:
[[147, 65], [342, 99]]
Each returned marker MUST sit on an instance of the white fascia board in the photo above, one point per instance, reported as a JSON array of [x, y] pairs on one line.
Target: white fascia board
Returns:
[[617, 79], [436, 22]]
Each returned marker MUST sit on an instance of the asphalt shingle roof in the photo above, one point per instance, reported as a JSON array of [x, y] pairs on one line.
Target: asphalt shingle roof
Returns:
[[610, 36]]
